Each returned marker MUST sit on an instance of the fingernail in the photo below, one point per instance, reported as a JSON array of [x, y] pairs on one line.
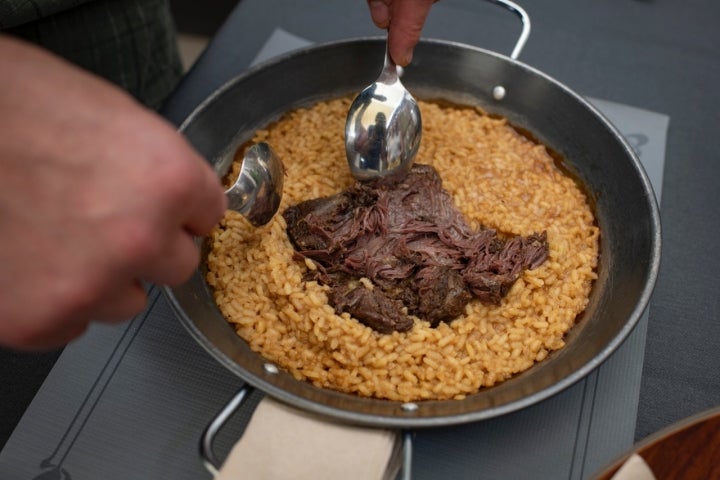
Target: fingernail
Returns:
[[405, 57]]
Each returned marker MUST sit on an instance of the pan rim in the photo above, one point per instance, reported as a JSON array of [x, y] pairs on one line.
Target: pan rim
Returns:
[[401, 419]]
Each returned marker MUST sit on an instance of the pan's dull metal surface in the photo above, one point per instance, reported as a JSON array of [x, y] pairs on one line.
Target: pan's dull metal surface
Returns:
[[625, 209]]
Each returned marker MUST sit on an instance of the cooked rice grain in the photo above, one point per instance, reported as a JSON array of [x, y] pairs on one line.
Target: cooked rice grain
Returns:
[[497, 177]]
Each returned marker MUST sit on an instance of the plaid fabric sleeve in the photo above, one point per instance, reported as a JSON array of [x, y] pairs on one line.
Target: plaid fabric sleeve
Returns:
[[132, 43], [17, 12]]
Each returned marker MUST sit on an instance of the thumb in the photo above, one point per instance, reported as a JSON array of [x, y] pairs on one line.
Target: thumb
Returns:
[[407, 18]]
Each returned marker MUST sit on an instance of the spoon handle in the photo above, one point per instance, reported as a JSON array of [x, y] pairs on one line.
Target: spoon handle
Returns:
[[389, 72]]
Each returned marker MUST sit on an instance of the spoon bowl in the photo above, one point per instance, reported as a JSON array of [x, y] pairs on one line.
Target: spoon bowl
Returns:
[[383, 128], [257, 192]]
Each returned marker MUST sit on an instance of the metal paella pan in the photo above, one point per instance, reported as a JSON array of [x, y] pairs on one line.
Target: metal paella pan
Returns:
[[594, 152]]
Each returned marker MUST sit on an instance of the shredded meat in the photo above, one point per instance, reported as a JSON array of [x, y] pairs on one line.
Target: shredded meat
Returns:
[[415, 247]]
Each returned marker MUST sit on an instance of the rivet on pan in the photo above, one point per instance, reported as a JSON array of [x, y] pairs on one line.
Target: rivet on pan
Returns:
[[270, 368], [409, 407], [498, 92]]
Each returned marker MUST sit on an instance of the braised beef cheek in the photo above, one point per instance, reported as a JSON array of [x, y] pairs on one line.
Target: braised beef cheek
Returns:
[[414, 246]]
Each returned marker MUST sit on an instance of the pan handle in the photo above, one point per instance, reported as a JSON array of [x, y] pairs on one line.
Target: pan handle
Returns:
[[524, 18], [213, 464], [406, 469], [207, 454]]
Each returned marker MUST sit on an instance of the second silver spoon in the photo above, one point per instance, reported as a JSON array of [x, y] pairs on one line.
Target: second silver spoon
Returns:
[[257, 192]]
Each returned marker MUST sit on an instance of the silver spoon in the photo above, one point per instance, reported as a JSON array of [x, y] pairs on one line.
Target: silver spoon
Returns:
[[383, 128], [257, 192]]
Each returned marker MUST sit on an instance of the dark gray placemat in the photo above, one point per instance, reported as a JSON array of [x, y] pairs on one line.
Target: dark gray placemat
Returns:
[[131, 401]]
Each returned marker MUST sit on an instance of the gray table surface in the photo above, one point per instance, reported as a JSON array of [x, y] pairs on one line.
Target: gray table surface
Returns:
[[662, 56]]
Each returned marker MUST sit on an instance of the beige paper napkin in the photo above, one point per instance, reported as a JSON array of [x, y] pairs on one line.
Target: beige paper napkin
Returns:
[[634, 468], [281, 442]]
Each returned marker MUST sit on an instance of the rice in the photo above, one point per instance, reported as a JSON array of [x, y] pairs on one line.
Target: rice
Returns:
[[497, 177]]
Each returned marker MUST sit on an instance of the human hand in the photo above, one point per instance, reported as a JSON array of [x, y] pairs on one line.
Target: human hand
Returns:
[[96, 195], [404, 20]]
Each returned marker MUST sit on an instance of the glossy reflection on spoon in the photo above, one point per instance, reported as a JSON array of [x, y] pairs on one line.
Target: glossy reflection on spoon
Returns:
[[383, 128], [257, 192]]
